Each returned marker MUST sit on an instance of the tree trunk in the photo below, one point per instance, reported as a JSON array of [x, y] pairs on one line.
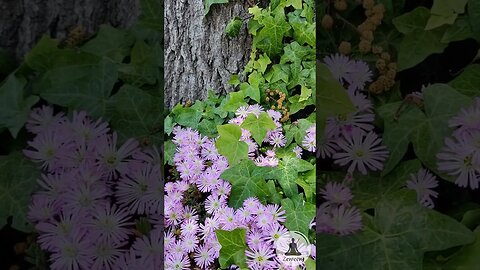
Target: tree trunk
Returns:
[[23, 22], [198, 54]]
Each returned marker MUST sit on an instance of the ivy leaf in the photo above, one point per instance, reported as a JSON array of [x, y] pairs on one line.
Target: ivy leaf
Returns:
[[234, 101], [234, 80], [234, 244], [152, 15], [305, 93], [228, 143], [460, 30], [258, 127], [248, 180], [168, 125], [80, 87], [17, 183], [233, 27], [445, 12], [412, 21], [169, 151], [467, 257], [287, 173], [417, 46], [441, 103], [398, 134], [297, 4], [188, 117], [332, 99], [474, 17], [262, 63], [396, 238], [270, 38], [208, 3], [110, 42], [14, 107], [295, 53], [304, 32], [135, 113], [468, 81], [299, 214]]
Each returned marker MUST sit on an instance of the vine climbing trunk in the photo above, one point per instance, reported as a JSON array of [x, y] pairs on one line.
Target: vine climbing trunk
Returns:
[[22, 23], [198, 54]]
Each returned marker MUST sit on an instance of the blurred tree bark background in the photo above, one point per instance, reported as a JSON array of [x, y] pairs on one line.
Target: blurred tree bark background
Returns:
[[23, 22], [198, 54]]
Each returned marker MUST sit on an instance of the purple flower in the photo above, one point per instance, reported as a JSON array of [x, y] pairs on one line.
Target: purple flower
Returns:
[[359, 75], [345, 220], [459, 160], [423, 182], [110, 224], [336, 193], [467, 119], [340, 66], [203, 256], [259, 258], [361, 152]]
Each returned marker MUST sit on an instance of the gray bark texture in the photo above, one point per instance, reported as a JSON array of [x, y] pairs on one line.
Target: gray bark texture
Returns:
[[198, 54], [23, 22]]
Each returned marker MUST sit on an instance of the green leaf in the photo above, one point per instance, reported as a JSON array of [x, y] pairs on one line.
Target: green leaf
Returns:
[[304, 33], [270, 38], [468, 81], [169, 151], [262, 63], [412, 21], [287, 173], [460, 30], [17, 183], [80, 87], [417, 46], [248, 180], [233, 27], [305, 93], [152, 15], [299, 214], [258, 126], [273, 196], [110, 42], [395, 239], [208, 3], [234, 101], [168, 125], [441, 103], [234, 244], [295, 53], [467, 257], [445, 12], [14, 106], [234, 80], [228, 143], [332, 99], [398, 134], [188, 117], [474, 17], [135, 113]]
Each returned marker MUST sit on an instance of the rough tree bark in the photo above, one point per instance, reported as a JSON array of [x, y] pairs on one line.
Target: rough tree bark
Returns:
[[198, 54], [23, 22]]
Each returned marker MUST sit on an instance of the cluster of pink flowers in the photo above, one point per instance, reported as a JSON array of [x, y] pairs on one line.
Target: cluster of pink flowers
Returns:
[[336, 215], [92, 191], [189, 234], [349, 139], [460, 157]]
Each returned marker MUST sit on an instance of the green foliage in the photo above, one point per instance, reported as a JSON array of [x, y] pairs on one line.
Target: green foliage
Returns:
[[468, 81], [233, 247], [299, 214], [233, 27], [14, 106], [229, 144], [248, 180], [17, 183], [445, 12], [135, 113], [258, 126], [395, 238], [287, 173]]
